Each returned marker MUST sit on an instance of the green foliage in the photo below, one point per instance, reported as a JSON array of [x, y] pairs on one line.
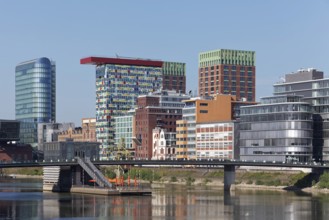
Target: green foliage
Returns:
[[189, 181], [294, 179], [307, 180], [110, 174], [145, 174], [36, 171], [189, 176], [216, 174], [275, 182], [206, 180], [173, 179], [324, 181]]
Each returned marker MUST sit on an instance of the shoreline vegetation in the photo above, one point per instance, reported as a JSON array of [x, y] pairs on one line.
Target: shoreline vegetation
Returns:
[[293, 180]]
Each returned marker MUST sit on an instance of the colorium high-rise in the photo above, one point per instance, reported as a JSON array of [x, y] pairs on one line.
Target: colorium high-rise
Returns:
[[119, 81]]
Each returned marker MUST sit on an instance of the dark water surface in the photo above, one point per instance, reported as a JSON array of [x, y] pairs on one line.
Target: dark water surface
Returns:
[[23, 199]]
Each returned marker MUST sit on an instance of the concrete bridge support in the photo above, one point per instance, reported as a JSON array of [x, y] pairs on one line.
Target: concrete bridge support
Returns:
[[229, 176], [57, 178]]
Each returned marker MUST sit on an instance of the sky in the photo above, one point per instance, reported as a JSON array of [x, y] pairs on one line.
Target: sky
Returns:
[[286, 35]]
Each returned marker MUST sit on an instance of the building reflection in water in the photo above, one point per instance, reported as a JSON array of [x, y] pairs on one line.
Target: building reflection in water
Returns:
[[243, 205], [79, 205], [165, 203]]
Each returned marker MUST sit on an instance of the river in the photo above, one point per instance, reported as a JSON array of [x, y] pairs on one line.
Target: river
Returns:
[[24, 199]]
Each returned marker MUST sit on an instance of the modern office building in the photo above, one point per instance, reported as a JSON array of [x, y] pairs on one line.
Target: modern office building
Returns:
[[160, 109], [35, 98], [124, 128], [277, 129], [68, 150], [215, 140], [48, 132], [228, 72], [208, 122], [9, 131], [10, 150], [119, 81], [310, 84]]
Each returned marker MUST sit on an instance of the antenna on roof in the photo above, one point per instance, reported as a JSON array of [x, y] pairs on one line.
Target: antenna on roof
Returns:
[[116, 55]]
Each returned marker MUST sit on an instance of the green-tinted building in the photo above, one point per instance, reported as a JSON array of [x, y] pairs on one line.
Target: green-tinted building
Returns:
[[228, 72], [123, 127], [174, 76]]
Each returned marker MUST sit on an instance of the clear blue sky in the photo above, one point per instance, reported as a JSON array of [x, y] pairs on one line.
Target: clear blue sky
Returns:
[[286, 35]]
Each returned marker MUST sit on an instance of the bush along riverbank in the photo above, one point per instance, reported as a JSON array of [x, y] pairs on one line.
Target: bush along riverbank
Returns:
[[35, 172], [288, 180], [285, 180]]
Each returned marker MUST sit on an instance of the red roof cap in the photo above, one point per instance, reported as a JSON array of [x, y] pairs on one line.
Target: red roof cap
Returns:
[[120, 61]]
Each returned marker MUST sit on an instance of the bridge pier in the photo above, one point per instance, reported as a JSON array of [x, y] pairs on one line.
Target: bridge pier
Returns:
[[57, 178], [229, 176]]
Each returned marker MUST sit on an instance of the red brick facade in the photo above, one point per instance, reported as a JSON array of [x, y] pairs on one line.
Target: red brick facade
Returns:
[[148, 116], [236, 80], [9, 153]]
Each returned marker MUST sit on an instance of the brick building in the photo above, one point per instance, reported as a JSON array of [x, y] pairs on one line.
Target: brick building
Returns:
[[86, 133], [160, 109], [228, 72]]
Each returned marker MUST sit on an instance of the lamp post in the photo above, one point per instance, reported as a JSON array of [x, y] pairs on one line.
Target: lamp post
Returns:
[[94, 178]]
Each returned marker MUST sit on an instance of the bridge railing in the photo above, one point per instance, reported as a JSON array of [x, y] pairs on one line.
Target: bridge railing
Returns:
[[180, 162]]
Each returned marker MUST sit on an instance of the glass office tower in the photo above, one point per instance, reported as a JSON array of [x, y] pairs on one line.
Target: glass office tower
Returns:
[[35, 96]]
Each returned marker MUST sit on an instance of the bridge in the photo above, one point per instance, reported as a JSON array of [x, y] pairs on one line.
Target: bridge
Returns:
[[77, 165]]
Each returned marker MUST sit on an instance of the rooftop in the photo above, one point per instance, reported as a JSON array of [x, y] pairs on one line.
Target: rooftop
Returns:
[[121, 61]]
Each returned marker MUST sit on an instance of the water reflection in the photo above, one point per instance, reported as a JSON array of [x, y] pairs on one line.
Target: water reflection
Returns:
[[23, 200], [212, 204]]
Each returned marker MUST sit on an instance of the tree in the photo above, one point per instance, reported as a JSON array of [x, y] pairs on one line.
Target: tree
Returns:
[[122, 152]]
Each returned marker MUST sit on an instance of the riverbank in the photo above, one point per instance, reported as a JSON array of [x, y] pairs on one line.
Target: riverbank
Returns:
[[289, 179], [253, 179]]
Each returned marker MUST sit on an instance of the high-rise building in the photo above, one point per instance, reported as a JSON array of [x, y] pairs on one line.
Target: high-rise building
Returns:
[[35, 87], [119, 81], [277, 129], [228, 72], [310, 84]]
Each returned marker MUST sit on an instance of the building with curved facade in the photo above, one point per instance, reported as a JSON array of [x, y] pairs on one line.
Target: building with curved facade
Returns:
[[277, 129], [35, 96], [314, 88]]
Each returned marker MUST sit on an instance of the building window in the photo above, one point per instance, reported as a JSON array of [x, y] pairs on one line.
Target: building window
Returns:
[[203, 111]]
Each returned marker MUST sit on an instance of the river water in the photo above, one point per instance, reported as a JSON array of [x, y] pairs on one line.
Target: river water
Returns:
[[23, 199]]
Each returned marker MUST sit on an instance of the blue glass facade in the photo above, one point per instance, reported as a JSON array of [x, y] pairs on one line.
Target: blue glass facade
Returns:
[[35, 97]]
